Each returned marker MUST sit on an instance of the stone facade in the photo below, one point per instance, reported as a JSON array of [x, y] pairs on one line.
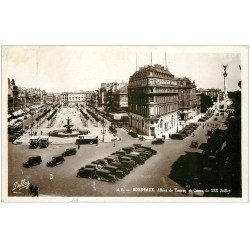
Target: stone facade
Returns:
[[152, 100]]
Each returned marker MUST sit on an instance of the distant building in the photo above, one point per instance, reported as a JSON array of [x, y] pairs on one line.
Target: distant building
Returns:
[[152, 100], [121, 99], [189, 103], [12, 96], [81, 97], [210, 92], [106, 95]]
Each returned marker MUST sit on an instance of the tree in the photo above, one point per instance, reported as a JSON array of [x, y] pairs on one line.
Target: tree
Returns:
[[206, 102]]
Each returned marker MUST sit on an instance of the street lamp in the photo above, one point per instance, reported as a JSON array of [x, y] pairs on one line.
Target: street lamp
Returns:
[[103, 129], [178, 113]]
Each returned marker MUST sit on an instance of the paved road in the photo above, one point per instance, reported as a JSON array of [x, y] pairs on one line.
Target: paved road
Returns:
[[153, 174]]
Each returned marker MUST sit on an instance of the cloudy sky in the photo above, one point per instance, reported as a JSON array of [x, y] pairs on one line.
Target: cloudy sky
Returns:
[[72, 68]]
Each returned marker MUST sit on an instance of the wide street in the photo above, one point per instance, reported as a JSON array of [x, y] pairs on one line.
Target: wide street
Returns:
[[152, 174]]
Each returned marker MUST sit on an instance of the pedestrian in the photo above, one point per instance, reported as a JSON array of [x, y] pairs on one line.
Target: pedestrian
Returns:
[[187, 189], [203, 126], [78, 145], [41, 132], [36, 191], [51, 177], [193, 134], [31, 189], [114, 144]]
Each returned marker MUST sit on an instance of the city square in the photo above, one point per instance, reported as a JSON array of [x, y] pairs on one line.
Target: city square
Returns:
[[155, 135]]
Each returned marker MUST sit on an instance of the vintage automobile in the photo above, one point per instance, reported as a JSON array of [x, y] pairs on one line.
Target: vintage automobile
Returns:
[[69, 151], [44, 141], [105, 175], [100, 163], [124, 168], [194, 144], [89, 166], [34, 142], [177, 136], [112, 158], [135, 158], [133, 134], [158, 141], [115, 171], [86, 173], [128, 160], [154, 152], [128, 149], [56, 160], [32, 161]]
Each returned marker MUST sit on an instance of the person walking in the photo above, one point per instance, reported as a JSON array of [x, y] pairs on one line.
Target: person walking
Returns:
[[114, 143], [78, 146], [31, 189], [51, 177], [36, 191]]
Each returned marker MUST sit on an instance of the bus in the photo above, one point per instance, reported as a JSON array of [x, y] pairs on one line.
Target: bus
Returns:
[[87, 139]]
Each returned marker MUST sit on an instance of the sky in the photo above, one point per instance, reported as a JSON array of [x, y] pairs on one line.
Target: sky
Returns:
[[74, 68]]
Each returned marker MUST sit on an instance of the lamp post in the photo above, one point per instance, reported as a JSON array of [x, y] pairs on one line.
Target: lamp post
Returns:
[[103, 129], [178, 112]]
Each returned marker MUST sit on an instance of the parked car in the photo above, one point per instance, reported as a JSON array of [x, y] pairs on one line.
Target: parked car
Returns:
[[128, 149], [133, 134], [123, 167], [69, 151], [32, 161], [105, 175], [115, 171], [137, 159], [100, 162], [154, 152], [177, 136], [89, 166], [86, 173], [112, 158], [56, 160], [158, 141], [194, 144]]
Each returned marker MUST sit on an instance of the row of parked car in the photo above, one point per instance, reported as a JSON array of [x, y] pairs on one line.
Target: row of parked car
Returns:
[[118, 164], [56, 160], [205, 117], [185, 132]]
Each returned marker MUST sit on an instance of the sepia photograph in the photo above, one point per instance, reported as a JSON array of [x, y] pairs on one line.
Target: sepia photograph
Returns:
[[124, 123]]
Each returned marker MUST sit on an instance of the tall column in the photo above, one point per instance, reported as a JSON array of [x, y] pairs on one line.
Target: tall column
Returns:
[[225, 86], [218, 101]]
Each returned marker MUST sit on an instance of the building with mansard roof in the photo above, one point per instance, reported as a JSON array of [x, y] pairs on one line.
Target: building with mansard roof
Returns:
[[152, 101]]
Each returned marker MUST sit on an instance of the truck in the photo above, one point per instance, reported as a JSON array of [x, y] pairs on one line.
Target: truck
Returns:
[[34, 142], [87, 139], [44, 141]]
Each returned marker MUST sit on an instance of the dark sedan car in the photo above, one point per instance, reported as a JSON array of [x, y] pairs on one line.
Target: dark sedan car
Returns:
[[158, 141], [32, 161], [86, 173], [105, 175], [115, 171], [69, 151], [56, 160]]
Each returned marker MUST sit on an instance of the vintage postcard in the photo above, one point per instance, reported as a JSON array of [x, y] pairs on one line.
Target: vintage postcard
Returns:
[[125, 123]]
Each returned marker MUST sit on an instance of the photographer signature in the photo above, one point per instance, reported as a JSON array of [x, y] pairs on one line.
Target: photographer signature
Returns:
[[19, 186]]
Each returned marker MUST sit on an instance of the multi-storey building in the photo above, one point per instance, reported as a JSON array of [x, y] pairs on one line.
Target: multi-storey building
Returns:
[[69, 98], [106, 95], [12, 96], [189, 105], [152, 100], [121, 99], [210, 92]]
